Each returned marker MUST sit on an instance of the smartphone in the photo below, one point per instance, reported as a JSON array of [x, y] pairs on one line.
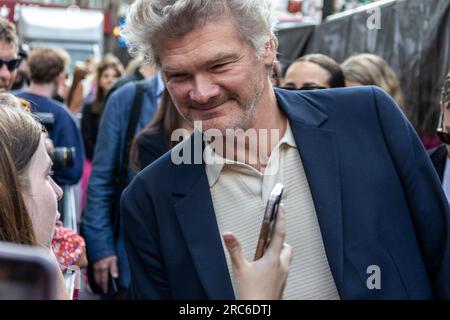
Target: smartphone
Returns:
[[270, 217], [26, 273]]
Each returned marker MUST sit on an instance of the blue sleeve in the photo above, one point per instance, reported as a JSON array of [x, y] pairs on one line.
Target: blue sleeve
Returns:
[[426, 199], [97, 228], [67, 134]]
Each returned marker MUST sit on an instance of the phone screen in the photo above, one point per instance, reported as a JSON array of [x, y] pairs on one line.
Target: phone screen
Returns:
[[25, 273]]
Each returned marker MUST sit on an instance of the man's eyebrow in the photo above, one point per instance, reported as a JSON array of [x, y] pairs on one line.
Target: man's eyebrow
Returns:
[[220, 57]]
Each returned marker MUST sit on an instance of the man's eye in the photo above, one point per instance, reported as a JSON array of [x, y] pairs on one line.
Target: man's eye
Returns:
[[219, 66]]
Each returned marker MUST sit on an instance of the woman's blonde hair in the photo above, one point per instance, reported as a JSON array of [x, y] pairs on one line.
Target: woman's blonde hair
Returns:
[[369, 69]]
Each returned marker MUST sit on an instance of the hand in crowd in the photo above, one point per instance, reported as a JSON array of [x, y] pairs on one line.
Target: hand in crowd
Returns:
[[82, 261], [103, 269], [265, 278]]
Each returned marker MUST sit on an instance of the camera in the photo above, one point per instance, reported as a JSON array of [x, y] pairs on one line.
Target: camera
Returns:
[[62, 157]]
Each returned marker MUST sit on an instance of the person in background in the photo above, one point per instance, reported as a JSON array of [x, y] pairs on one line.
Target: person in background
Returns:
[[74, 98], [47, 70], [155, 139], [9, 59], [83, 88], [368, 69], [22, 79], [108, 71], [440, 156], [28, 194], [110, 174], [313, 71], [134, 73]]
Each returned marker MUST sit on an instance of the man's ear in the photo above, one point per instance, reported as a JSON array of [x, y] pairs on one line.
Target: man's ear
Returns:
[[270, 53]]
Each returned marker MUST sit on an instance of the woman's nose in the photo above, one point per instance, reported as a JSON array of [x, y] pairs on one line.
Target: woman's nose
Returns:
[[58, 191]]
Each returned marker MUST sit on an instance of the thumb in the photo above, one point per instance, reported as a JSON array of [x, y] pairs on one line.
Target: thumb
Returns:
[[113, 269], [234, 249]]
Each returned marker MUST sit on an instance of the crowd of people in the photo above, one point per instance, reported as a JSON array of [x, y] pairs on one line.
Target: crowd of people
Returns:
[[360, 188]]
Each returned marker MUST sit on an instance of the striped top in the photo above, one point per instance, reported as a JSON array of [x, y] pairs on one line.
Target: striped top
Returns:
[[239, 194]]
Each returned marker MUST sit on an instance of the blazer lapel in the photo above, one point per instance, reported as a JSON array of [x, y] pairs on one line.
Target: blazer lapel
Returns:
[[318, 152], [195, 213]]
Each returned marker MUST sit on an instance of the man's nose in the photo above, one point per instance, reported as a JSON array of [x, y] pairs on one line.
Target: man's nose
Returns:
[[4, 70], [204, 89]]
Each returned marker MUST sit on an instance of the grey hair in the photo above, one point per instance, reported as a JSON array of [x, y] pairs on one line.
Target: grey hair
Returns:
[[149, 21]]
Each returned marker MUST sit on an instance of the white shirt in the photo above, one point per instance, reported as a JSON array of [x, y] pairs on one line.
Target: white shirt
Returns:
[[239, 194]]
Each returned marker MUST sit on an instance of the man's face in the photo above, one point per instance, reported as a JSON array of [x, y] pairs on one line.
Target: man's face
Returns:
[[214, 76], [7, 51], [306, 74]]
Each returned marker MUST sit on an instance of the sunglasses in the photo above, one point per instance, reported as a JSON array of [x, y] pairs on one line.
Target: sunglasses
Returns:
[[11, 64], [441, 131], [304, 88]]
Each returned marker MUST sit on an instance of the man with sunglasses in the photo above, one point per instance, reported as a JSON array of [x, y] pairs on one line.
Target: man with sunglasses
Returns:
[[9, 61], [440, 156]]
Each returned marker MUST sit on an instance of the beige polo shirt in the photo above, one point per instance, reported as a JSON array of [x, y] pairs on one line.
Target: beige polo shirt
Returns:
[[239, 194]]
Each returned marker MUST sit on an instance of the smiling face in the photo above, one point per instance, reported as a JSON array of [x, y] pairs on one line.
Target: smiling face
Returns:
[[214, 76], [41, 195]]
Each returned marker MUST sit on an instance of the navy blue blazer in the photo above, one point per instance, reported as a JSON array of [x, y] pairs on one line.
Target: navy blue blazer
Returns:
[[377, 197]]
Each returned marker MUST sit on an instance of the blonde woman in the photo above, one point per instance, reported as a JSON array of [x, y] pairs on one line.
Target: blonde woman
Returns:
[[368, 69]]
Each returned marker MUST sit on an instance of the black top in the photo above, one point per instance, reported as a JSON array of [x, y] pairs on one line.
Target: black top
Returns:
[[151, 146], [89, 129]]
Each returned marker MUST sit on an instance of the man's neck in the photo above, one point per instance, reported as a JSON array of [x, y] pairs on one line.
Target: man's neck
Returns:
[[45, 90]]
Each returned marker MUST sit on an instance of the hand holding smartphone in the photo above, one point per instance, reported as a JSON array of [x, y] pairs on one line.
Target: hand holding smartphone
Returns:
[[269, 220]]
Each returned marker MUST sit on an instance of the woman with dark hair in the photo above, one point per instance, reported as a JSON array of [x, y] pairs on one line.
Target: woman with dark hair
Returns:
[[155, 139], [109, 71], [28, 194], [314, 71]]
